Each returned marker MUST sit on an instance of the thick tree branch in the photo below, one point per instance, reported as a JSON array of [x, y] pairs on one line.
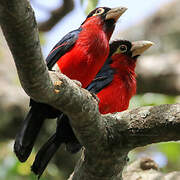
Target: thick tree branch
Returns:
[[19, 27], [146, 125], [107, 138], [56, 15]]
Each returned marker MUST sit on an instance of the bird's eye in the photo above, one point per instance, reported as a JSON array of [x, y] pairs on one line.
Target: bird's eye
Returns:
[[99, 11], [123, 48]]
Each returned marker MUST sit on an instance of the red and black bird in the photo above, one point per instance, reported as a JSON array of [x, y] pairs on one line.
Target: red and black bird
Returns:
[[114, 85], [80, 51]]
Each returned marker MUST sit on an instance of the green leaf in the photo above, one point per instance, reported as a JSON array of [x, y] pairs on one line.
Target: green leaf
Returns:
[[91, 5]]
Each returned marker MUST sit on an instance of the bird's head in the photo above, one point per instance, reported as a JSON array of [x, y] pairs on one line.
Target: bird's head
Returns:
[[104, 17], [125, 53]]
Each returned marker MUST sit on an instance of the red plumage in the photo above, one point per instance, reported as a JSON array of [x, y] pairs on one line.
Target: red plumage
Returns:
[[89, 52], [116, 96], [115, 84]]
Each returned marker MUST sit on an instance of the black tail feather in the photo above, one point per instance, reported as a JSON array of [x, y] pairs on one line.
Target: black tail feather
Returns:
[[45, 154], [31, 127], [27, 135], [64, 134], [64, 130]]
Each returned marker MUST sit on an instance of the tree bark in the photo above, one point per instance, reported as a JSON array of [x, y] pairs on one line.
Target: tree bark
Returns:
[[107, 138]]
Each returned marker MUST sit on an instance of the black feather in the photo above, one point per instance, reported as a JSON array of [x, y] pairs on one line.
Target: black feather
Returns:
[[63, 46], [103, 78], [64, 134]]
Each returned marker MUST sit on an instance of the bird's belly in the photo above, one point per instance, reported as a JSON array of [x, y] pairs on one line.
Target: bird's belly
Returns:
[[113, 98]]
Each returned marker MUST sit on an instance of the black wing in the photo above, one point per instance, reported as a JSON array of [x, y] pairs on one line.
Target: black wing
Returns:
[[103, 78], [64, 45]]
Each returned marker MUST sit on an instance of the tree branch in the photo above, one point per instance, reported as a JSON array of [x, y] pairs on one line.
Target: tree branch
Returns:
[[56, 15], [20, 29], [107, 138], [146, 125]]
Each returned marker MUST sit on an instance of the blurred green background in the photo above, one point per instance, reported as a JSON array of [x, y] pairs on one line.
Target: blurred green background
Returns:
[[158, 78]]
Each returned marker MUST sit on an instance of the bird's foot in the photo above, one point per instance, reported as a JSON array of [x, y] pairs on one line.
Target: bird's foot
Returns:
[[95, 97], [77, 83], [73, 147]]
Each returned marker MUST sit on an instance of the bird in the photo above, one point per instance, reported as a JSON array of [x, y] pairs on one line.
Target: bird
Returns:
[[114, 86], [78, 52]]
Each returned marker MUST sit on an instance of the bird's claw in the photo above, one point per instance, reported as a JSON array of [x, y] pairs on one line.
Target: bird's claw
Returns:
[[77, 83], [95, 97]]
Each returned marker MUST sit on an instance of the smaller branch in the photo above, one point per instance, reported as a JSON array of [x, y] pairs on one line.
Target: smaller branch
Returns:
[[146, 125], [56, 15]]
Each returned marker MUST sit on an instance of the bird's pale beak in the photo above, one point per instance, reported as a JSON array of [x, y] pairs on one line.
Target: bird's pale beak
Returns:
[[138, 47], [115, 13]]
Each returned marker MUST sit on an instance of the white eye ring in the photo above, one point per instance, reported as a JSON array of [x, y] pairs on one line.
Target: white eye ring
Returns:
[[123, 48], [99, 11]]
